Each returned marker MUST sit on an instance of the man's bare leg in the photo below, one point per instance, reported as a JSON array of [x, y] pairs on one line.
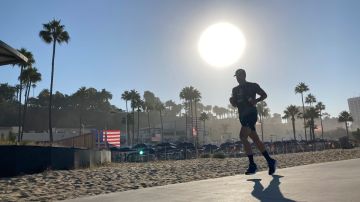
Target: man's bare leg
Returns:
[[255, 138], [244, 134], [260, 145]]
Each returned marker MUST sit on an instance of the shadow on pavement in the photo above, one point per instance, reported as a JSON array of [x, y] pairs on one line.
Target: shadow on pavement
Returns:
[[271, 193]]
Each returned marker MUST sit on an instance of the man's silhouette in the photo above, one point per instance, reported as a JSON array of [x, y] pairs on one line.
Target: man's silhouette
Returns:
[[244, 98]]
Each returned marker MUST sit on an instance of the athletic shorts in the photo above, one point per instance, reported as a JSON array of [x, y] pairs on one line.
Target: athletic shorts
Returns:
[[248, 118]]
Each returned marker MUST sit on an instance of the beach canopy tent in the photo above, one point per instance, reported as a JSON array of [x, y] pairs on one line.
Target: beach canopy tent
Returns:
[[9, 55]]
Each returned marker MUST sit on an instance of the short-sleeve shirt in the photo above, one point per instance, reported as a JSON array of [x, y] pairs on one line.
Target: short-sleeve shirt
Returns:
[[242, 93]]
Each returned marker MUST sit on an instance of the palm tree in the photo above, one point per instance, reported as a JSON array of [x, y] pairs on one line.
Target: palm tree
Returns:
[[310, 99], [149, 104], [160, 107], [345, 117], [185, 94], [29, 76], [320, 106], [311, 114], [23, 66], [290, 112], [126, 96], [134, 97], [301, 88], [139, 105], [204, 117], [53, 32], [196, 96], [263, 111]]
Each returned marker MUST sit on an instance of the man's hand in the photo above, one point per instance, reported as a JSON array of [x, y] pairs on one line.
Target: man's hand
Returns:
[[252, 101], [233, 101]]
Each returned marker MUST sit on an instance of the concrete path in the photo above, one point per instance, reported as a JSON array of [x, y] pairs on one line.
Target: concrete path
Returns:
[[332, 181]]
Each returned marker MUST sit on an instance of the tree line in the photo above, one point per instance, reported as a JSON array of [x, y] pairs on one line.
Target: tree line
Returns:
[[313, 110]]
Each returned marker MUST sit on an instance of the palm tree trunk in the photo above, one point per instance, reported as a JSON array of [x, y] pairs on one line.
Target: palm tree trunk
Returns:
[[303, 106], [186, 122], [126, 123], [138, 127], [148, 116], [19, 115], [346, 126], [322, 128], [192, 122], [133, 127], [162, 127], [196, 125], [27, 92], [293, 125], [51, 89], [204, 134]]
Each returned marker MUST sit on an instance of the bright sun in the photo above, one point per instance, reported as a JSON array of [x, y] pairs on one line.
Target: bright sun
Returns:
[[221, 44]]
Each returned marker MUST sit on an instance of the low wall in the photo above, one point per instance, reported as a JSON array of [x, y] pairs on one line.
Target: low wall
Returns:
[[17, 160]]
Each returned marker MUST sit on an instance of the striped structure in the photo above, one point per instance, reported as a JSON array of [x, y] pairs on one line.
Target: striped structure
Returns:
[[112, 137]]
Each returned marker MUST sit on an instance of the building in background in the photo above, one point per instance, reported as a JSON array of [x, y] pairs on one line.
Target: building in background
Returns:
[[354, 107]]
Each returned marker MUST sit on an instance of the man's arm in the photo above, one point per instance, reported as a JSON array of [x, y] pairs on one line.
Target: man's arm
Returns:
[[232, 99], [260, 92]]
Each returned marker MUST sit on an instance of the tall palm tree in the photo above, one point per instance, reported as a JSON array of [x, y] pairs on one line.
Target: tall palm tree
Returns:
[[204, 117], [320, 106], [185, 94], [345, 117], [149, 104], [263, 112], [53, 32], [23, 66], [126, 96], [310, 99], [311, 114], [139, 105], [290, 112], [135, 96], [30, 76], [301, 88], [160, 107], [196, 97]]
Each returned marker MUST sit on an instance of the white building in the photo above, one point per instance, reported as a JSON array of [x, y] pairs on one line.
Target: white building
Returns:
[[354, 107]]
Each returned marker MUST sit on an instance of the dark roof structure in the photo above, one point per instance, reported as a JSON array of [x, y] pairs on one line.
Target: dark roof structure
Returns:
[[9, 55]]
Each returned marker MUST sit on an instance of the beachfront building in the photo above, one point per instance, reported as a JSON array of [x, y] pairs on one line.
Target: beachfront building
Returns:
[[354, 107]]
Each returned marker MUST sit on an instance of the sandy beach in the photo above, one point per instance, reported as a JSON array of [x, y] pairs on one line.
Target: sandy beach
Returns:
[[115, 177]]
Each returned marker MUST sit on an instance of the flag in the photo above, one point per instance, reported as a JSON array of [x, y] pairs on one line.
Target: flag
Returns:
[[194, 131], [111, 136], [156, 138]]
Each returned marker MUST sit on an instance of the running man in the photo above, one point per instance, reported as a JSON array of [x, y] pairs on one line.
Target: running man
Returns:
[[244, 98]]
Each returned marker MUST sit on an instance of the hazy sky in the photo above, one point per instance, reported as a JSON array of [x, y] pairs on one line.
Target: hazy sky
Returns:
[[152, 45]]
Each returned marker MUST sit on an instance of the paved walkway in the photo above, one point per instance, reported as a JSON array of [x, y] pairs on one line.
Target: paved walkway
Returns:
[[332, 181]]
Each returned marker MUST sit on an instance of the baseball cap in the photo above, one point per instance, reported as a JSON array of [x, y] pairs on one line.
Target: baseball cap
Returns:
[[239, 72]]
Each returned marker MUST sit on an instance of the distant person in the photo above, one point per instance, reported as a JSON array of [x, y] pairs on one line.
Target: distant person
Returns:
[[244, 98]]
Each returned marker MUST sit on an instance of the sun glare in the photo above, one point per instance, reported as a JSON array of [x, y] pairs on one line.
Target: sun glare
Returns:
[[221, 44]]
